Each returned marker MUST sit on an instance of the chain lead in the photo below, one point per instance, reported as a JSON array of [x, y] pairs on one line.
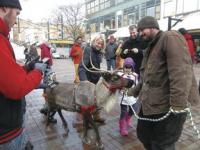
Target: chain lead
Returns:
[[167, 114]]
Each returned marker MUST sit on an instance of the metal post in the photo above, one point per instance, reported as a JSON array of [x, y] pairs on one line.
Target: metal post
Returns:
[[169, 23], [62, 35]]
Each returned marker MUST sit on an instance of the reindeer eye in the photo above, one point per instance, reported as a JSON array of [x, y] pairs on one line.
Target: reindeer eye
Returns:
[[115, 78]]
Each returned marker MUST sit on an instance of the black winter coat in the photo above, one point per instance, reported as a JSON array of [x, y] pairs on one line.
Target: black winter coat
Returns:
[[138, 43], [96, 60]]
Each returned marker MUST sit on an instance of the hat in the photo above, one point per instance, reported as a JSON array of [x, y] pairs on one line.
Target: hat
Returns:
[[182, 30], [129, 61], [148, 22], [10, 3]]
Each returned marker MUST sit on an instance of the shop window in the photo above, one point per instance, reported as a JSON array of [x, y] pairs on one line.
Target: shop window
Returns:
[[131, 19]]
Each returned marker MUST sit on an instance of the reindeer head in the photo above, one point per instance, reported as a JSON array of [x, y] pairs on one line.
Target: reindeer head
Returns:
[[114, 81], [107, 86], [107, 89]]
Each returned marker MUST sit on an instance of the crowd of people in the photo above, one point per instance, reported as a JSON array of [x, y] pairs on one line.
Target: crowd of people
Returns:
[[158, 63]]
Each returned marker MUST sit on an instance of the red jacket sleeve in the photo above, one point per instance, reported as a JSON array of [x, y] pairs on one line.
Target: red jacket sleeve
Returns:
[[15, 82]]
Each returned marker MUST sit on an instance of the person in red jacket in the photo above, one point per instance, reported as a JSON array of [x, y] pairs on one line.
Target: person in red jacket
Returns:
[[46, 53], [76, 53], [190, 42], [15, 82]]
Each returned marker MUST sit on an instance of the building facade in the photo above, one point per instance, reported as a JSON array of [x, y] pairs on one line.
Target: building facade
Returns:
[[104, 15], [113, 14]]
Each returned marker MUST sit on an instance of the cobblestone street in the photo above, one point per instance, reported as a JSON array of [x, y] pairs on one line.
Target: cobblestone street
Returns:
[[53, 137]]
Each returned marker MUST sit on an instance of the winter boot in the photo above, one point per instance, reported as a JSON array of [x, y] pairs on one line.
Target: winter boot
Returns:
[[122, 127], [128, 121]]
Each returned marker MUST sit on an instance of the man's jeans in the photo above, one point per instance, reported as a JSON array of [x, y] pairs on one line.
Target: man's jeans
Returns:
[[111, 63]]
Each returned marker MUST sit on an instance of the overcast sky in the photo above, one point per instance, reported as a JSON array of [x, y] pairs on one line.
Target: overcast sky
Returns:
[[36, 10]]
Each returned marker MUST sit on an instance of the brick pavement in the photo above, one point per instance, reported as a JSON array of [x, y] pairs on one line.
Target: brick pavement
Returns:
[[53, 137]]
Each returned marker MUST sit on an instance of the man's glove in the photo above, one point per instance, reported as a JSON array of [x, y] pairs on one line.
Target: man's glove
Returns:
[[135, 50], [40, 66], [125, 51]]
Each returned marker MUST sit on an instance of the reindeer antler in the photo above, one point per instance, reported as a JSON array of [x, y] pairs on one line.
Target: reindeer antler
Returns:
[[96, 70]]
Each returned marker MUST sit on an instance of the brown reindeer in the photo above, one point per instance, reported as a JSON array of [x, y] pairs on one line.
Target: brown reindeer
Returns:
[[84, 98]]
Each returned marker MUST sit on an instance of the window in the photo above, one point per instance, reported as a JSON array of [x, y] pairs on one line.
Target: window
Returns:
[[96, 2], [102, 6], [119, 21], [151, 11], [125, 19], [88, 6], [92, 4], [190, 6], [92, 10], [157, 15], [119, 1], [179, 6], [107, 4], [169, 8], [131, 19], [96, 8]]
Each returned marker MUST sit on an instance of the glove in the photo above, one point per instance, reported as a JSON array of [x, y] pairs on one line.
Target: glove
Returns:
[[125, 51], [40, 66], [135, 50], [29, 64]]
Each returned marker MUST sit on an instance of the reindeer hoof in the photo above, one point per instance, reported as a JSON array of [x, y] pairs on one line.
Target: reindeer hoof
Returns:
[[86, 141], [99, 145]]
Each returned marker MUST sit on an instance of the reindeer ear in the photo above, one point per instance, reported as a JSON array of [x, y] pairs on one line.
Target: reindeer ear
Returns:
[[106, 75]]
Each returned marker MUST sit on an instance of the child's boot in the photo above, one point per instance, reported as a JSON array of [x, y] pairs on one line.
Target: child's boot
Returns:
[[128, 120], [123, 127]]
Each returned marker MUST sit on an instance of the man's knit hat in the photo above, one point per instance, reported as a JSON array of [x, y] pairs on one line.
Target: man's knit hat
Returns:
[[10, 3], [147, 22]]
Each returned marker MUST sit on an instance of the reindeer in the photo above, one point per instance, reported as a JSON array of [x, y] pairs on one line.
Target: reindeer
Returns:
[[84, 98]]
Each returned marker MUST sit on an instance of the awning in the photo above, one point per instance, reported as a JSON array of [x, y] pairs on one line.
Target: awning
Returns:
[[60, 42], [190, 22], [122, 32]]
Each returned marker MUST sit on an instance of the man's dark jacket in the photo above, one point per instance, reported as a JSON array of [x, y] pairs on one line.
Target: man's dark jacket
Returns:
[[137, 57]]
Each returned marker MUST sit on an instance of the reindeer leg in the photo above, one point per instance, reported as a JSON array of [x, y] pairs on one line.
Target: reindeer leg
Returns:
[[51, 116], [85, 128], [63, 121], [95, 127], [48, 115]]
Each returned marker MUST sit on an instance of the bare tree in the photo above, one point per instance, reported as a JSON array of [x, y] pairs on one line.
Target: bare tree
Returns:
[[71, 17]]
